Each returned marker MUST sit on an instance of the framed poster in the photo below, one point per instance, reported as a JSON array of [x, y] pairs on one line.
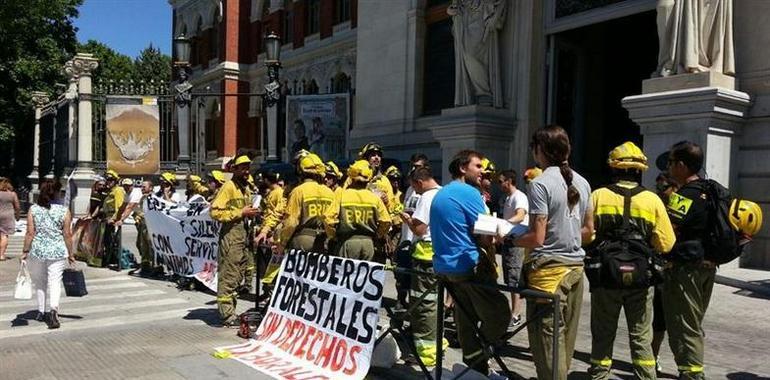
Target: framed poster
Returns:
[[133, 136], [318, 123]]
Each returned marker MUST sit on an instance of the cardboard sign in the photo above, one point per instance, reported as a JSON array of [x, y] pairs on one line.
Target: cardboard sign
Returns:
[[321, 322], [184, 238]]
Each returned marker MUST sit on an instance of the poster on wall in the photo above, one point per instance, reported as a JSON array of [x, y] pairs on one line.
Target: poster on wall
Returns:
[[133, 135], [318, 123]]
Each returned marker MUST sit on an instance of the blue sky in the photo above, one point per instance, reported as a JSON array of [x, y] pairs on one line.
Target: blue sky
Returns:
[[127, 26]]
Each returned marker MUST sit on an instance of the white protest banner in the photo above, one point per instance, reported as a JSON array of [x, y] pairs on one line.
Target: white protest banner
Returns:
[[184, 238], [321, 323]]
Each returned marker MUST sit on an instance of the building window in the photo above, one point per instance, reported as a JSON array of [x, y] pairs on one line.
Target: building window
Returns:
[[341, 84], [288, 23], [310, 87], [439, 75], [313, 17], [341, 11], [570, 7], [214, 41]]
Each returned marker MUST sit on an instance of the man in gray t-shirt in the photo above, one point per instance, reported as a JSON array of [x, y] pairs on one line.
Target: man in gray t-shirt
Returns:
[[548, 197]]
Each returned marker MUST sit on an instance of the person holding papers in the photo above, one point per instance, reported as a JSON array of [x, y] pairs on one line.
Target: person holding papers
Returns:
[[460, 262], [561, 219]]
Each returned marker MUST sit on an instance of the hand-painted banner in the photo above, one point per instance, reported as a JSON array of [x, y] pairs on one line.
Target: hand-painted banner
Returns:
[[321, 323], [184, 238]]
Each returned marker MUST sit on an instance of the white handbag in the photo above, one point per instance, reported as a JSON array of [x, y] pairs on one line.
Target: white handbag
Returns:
[[23, 283]]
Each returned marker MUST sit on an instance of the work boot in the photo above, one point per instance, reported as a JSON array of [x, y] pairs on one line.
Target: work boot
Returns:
[[53, 319]]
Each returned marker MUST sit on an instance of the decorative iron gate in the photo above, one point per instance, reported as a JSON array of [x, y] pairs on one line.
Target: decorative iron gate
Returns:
[[169, 144], [54, 139]]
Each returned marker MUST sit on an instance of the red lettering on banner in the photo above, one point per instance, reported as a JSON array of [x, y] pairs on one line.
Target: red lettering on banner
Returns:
[[353, 360], [271, 325], [297, 337], [296, 329], [311, 331], [325, 353], [245, 348], [315, 340], [285, 331], [339, 355]]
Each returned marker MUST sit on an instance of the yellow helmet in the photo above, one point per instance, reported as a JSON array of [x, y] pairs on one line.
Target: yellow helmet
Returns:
[[242, 160], [194, 178], [487, 167], [217, 175], [746, 216], [360, 171], [111, 174], [333, 170], [627, 156], [169, 178], [372, 146], [312, 164], [532, 173], [392, 172], [127, 182]]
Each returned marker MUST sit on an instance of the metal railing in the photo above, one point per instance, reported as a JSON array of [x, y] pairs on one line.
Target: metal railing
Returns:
[[490, 348]]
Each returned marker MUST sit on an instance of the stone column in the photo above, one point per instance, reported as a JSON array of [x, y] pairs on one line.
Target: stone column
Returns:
[[487, 130], [39, 99], [81, 67], [705, 110]]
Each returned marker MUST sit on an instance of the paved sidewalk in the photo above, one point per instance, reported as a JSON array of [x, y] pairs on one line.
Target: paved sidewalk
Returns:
[[133, 328]]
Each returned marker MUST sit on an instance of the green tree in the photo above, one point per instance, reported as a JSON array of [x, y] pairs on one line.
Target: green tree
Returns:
[[113, 66], [36, 38], [152, 65]]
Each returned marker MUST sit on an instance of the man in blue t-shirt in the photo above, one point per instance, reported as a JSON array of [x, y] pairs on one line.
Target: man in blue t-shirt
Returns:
[[459, 262]]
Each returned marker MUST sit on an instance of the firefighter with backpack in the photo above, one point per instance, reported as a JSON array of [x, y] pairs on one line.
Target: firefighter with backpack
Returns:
[[631, 227], [711, 228], [303, 222]]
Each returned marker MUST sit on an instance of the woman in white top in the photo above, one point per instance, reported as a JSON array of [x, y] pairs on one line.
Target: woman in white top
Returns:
[[48, 245]]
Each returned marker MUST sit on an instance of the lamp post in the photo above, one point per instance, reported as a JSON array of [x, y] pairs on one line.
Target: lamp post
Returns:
[[183, 100], [272, 93]]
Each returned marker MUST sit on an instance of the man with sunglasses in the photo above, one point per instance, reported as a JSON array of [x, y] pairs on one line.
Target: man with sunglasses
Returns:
[[689, 275]]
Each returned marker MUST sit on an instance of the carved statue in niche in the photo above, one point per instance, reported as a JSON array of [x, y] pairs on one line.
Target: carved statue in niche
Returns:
[[695, 36], [475, 27]]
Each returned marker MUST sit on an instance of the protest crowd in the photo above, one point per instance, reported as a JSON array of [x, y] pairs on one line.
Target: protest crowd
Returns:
[[651, 253]]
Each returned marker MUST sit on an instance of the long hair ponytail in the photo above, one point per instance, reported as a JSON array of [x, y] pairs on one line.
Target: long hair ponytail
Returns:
[[553, 142]]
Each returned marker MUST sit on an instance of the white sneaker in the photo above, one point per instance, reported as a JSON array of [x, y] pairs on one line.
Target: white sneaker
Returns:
[[658, 367]]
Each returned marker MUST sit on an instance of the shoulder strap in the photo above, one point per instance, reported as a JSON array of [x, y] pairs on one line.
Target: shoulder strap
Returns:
[[627, 195]]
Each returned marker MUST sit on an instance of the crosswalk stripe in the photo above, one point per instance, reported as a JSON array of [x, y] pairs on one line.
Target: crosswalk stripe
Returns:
[[99, 323], [85, 311], [17, 304], [89, 281], [127, 285]]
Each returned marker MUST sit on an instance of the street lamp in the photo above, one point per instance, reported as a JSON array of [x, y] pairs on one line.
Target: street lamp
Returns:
[[183, 99], [272, 92], [273, 63]]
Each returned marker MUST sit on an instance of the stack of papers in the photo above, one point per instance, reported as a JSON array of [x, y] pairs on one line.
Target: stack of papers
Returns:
[[491, 226]]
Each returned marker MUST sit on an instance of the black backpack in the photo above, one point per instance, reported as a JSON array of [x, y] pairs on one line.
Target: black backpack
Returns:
[[721, 241], [622, 259]]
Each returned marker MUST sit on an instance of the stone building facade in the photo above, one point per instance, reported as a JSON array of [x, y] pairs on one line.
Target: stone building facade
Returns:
[[585, 65]]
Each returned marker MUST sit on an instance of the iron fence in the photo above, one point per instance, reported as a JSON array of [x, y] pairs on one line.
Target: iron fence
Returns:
[[102, 95]]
